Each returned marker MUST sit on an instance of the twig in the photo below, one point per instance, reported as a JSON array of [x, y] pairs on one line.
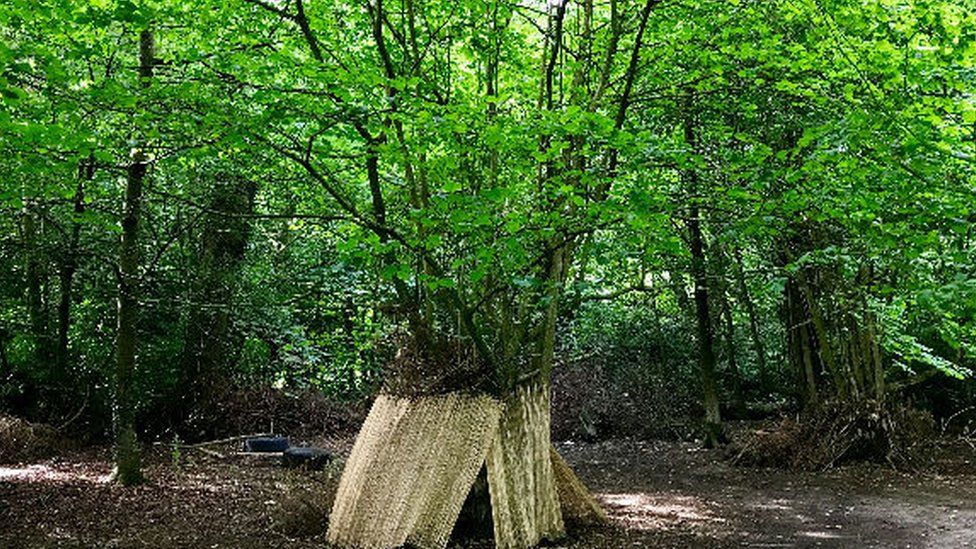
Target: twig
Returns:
[[77, 414], [200, 445]]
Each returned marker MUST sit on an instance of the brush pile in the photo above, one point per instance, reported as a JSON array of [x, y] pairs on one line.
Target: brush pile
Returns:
[[435, 364], [839, 433], [22, 441]]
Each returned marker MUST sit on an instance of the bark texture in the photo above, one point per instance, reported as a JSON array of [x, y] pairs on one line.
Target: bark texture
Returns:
[[128, 469], [703, 316]]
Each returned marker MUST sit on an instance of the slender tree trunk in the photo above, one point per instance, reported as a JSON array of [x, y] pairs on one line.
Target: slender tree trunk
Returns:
[[128, 469], [738, 400], [874, 356], [36, 313], [4, 362], [706, 345], [757, 343], [809, 373], [824, 347], [68, 267]]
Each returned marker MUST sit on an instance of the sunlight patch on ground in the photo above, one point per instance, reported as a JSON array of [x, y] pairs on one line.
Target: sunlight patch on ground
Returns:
[[656, 511], [775, 505], [819, 534], [49, 474], [200, 483]]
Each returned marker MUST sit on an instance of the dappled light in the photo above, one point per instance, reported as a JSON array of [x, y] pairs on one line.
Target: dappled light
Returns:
[[656, 511], [476, 274], [55, 474], [825, 535]]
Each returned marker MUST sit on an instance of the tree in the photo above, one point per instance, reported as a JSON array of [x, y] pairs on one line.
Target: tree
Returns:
[[127, 463]]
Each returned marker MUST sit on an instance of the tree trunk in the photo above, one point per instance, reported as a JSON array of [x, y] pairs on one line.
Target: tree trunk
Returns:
[[68, 267], [874, 356], [36, 313], [799, 339], [4, 362], [757, 342], [208, 346], [706, 345], [128, 470], [735, 376], [824, 345]]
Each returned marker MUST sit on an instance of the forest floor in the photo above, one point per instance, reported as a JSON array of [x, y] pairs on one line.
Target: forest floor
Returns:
[[658, 494]]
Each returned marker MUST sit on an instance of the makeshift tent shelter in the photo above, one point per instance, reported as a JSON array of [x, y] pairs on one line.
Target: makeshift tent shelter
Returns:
[[416, 459]]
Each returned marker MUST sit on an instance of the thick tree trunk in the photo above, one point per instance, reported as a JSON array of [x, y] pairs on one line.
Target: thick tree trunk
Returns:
[[128, 470], [208, 345]]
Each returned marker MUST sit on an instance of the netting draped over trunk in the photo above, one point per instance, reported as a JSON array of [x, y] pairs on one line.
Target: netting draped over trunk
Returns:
[[524, 501], [416, 459]]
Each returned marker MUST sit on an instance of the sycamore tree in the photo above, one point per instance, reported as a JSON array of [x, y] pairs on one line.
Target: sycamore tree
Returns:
[[466, 148]]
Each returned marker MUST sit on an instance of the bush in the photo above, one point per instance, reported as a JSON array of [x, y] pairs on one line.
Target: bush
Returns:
[[624, 374], [303, 413], [235, 410]]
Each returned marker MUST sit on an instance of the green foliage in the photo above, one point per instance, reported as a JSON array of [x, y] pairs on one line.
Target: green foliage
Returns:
[[456, 173]]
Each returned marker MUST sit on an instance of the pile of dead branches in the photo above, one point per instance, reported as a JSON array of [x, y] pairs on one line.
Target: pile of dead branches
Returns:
[[433, 364], [838, 433], [22, 441]]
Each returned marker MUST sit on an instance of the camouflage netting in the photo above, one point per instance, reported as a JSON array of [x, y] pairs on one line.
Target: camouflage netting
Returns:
[[578, 505], [416, 459], [524, 501], [410, 470]]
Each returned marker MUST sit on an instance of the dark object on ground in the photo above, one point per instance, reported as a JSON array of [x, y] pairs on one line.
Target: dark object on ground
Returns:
[[266, 444], [839, 433], [313, 459]]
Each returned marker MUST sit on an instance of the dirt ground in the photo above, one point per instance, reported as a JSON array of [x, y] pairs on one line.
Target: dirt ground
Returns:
[[658, 494]]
